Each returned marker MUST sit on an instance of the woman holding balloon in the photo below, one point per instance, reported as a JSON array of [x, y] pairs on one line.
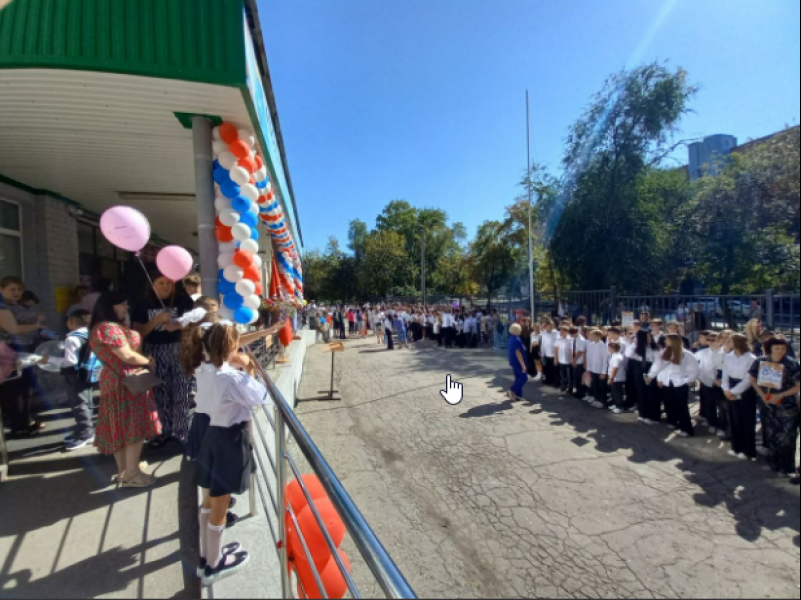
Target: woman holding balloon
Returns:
[[156, 321]]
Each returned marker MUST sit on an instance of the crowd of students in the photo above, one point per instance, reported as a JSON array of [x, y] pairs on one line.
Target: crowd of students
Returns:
[[742, 380]]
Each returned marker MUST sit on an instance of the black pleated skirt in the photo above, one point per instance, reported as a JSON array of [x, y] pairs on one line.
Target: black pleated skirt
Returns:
[[225, 462]]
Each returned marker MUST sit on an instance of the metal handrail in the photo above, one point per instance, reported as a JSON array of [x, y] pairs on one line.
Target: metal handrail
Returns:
[[378, 560]]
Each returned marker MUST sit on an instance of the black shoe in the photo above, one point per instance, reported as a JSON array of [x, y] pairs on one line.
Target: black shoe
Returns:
[[230, 565], [232, 504], [796, 480], [229, 549], [230, 520]]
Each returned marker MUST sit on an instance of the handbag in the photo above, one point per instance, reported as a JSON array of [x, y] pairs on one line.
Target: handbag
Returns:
[[141, 383]]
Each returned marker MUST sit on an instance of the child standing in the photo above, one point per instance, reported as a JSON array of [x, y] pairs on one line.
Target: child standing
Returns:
[[617, 378], [564, 360], [548, 343], [579, 347], [710, 364], [598, 367], [81, 371], [679, 371], [742, 398], [225, 462], [536, 353]]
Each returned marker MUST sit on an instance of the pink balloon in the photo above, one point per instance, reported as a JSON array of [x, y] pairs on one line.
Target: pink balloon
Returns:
[[174, 262], [126, 228]]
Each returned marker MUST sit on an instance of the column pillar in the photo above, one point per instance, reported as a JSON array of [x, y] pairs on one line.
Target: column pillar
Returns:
[[204, 192]]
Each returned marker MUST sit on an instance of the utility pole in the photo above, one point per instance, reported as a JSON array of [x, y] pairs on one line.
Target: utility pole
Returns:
[[423, 263], [530, 231]]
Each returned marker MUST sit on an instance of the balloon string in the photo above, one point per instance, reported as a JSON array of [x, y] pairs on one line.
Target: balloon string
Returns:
[[139, 258]]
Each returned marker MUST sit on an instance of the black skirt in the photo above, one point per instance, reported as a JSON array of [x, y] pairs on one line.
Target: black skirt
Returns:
[[226, 461], [200, 425]]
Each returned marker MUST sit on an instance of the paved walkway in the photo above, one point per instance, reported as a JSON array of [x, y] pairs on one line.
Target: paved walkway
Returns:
[[549, 498], [66, 532]]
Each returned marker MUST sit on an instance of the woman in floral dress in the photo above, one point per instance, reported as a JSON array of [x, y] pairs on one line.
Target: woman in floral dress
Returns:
[[125, 421]]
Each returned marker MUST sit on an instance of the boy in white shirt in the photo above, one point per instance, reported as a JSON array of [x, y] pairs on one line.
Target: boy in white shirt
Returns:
[[564, 359], [548, 344], [710, 363], [579, 347], [617, 378], [598, 366]]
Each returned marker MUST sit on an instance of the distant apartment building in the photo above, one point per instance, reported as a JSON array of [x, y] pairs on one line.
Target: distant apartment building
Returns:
[[705, 156]]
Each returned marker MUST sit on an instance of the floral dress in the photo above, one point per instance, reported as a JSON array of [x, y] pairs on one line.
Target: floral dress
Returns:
[[124, 419]]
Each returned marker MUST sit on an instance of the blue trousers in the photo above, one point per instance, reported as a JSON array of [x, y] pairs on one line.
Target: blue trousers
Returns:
[[521, 379]]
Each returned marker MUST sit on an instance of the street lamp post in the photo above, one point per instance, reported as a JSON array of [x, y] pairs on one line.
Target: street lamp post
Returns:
[[530, 232]]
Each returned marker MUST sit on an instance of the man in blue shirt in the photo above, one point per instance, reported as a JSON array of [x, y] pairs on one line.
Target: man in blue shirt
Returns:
[[517, 353]]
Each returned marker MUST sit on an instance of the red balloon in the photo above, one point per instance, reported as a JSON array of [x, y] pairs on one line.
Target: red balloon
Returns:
[[270, 195], [228, 133], [253, 273], [243, 259], [332, 579], [259, 162], [315, 540], [249, 165], [224, 234], [252, 181], [217, 222], [240, 149], [294, 496], [259, 289], [262, 200]]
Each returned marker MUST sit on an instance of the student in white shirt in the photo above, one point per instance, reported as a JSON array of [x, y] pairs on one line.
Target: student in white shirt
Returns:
[[564, 359], [536, 351], [657, 333], [548, 344], [225, 461], [579, 350], [644, 355], [738, 389], [710, 364], [680, 370], [617, 378], [598, 366]]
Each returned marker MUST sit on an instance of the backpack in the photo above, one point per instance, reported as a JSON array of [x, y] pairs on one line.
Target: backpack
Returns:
[[89, 366]]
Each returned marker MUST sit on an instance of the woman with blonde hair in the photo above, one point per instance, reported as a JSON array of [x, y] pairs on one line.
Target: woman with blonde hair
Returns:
[[679, 372], [741, 397], [753, 331]]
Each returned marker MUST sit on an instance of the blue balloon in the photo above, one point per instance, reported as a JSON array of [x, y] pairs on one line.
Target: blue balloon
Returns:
[[254, 234], [230, 190], [216, 164], [261, 185], [225, 287], [240, 204], [221, 176], [244, 315], [250, 219], [233, 301]]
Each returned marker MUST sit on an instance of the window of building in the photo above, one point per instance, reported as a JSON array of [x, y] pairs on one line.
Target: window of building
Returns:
[[10, 240]]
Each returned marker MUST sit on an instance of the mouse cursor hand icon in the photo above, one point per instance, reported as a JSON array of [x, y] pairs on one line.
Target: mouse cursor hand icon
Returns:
[[453, 392]]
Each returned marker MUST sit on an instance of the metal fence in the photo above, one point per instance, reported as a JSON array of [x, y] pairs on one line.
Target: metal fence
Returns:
[[779, 313], [278, 468]]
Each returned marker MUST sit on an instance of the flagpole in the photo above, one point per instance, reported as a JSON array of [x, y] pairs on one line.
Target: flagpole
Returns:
[[530, 232]]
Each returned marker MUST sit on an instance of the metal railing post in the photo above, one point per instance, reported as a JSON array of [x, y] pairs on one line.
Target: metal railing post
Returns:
[[280, 477], [252, 491], [613, 305], [770, 309]]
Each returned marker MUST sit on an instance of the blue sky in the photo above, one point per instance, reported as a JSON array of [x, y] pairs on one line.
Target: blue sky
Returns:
[[425, 99]]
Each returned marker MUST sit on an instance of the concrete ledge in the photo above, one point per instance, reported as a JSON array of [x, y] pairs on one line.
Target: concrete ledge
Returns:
[[258, 534]]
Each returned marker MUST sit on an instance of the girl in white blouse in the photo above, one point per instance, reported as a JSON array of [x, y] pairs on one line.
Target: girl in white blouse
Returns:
[[742, 399], [225, 462], [679, 371]]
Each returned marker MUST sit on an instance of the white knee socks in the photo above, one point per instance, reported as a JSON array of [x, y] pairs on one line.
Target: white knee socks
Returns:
[[214, 536], [205, 513]]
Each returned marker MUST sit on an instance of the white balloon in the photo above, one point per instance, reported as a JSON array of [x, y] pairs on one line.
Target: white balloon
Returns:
[[241, 232], [254, 208], [247, 136], [260, 175], [257, 262], [215, 133], [225, 313], [251, 246], [233, 273], [229, 218], [227, 160], [250, 192], [253, 302], [219, 147], [269, 188], [225, 260], [227, 247], [222, 204], [240, 176], [245, 288]]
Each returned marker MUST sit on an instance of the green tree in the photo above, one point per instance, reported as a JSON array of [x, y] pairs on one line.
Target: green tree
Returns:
[[382, 269], [597, 241], [357, 238], [493, 258]]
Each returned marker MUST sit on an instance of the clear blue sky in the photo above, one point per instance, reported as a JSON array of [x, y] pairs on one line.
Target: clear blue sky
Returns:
[[424, 99]]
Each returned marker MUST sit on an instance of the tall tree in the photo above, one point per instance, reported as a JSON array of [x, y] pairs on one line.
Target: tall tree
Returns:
[[382, 269], [493, 257], [357, 238], [626, 129]]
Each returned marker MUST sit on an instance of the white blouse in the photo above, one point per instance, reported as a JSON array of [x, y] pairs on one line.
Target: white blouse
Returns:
[[738, 367], [709, 363], [671, 374], [231, 395]]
